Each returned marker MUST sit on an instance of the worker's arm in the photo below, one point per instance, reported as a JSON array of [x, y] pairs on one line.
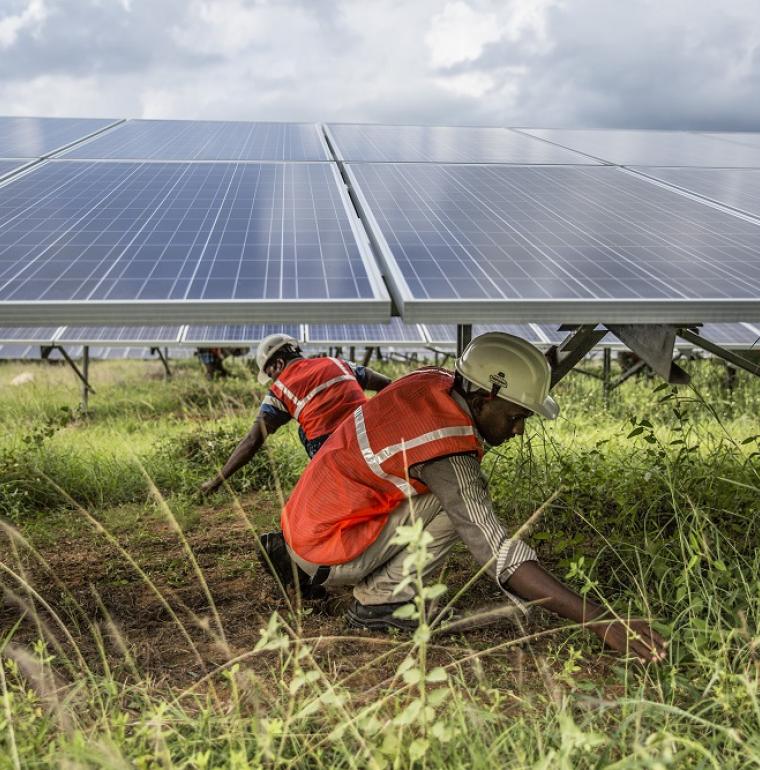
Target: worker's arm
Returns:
[[374, 380], [636, 637], [242, 454], [459, 485]]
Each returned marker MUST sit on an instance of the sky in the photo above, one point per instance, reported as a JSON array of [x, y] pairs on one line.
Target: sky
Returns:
[[563, 63]]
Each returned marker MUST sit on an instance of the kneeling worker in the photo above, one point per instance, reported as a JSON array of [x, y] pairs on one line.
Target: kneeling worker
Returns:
[[414, 452], [316, 392]]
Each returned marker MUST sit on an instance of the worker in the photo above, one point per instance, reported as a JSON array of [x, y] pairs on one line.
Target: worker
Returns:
[[316, 392], [212, 359], [413, 452]]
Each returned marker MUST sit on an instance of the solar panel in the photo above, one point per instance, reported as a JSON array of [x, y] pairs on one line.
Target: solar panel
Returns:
[[19, 352], [136, 353], [37, 137], [40, 335], [731, 335], [439, 144], [120, 335], [738, 188], [83, 243], [206, 140], [651, 148], [394, 333], [581, 244], [446, 334], [229, 334]]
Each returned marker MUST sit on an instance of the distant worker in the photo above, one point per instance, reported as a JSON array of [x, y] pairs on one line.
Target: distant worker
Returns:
[[316, 392], [413, 452], [212, 359]]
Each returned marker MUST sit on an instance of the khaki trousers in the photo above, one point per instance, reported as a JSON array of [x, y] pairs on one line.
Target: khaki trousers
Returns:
[[375, 573]]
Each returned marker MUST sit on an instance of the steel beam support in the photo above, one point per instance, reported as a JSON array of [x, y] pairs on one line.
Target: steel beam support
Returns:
[[163, 357], [45, 352], [727, 355], [653, 343], [606, 373], [563, 357], [85, 378]]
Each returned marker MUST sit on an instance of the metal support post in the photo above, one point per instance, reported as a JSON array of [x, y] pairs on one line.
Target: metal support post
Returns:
[[367, 356], [606, 371], [85, 378], [351, 353], [45, 352], [627, 374], [464, 335], [163, 357]]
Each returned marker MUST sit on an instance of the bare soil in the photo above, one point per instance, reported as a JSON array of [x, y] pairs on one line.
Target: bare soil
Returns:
[[95, 587]]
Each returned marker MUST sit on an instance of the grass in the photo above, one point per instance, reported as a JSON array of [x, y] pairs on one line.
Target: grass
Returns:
[[138, 630]]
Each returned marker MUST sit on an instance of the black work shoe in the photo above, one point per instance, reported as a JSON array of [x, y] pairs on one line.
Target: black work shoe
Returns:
[[378, 617], [285, 569]]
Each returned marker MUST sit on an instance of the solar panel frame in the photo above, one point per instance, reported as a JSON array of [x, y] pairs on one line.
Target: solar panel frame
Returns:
[[690, 148], [374, 308], [84, 150], [588, 309], [11, 166], [52, 149], [396, 334], [536, 151], [232, 335]]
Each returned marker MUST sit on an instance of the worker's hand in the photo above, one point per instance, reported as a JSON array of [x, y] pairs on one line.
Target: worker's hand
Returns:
[[209, 487], [635, 637]]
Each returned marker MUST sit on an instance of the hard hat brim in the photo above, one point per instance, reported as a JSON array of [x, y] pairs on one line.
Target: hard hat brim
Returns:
[[263, 378]]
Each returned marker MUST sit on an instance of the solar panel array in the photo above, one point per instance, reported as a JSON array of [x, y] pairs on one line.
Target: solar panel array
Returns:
[[206, 140], [224, 223], [6, 166], [232, 334], [395, 333], [121, 336]]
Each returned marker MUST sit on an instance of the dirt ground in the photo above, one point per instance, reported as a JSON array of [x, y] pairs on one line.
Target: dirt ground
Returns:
[[95, 583]]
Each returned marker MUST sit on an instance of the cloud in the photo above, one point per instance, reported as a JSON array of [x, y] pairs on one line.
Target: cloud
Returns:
[[12, 25], [488, 62]]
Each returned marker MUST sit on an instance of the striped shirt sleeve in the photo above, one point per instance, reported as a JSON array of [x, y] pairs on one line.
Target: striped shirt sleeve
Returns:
[[273, 411], [463, 492]]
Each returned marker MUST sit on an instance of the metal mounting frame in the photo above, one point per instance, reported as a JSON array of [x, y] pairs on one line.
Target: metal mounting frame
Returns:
[[83, 374]]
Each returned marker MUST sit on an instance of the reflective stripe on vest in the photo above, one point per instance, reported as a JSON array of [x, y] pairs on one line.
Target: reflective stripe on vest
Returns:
[[300, 403], [375, 460]]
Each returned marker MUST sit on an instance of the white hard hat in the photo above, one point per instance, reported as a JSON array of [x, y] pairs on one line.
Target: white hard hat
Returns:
[[512, 368], [267, 348]]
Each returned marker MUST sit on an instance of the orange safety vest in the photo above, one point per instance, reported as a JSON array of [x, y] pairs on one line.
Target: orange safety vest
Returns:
[[344, 498], [319, 393]]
